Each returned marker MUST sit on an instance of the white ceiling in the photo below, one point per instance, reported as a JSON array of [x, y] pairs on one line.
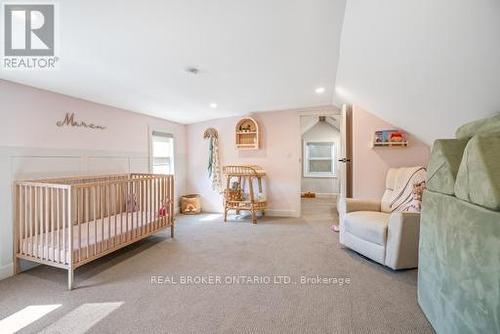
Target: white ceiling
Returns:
[[424, 65], [254, 55]]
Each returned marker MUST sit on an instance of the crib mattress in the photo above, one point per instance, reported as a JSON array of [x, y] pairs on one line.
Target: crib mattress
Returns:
[[100, 233]]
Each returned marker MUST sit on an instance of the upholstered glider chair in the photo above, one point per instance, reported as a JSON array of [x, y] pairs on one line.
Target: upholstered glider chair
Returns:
[[387, 230]]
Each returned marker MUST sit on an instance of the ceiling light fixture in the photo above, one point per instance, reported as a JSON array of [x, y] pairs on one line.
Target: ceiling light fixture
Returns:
[[213, 105], [192, 70], [320, 90]]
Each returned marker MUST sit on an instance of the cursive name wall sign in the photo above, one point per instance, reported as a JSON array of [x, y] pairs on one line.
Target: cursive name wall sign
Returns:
[[69, 120]]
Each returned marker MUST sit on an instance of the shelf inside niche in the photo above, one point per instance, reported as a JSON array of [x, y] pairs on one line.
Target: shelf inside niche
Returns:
[[247, 134]]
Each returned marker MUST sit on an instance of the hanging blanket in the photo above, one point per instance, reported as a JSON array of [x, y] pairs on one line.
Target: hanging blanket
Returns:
[[404, 187]]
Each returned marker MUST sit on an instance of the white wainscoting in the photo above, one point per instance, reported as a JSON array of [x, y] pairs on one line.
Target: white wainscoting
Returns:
[[30, 163]]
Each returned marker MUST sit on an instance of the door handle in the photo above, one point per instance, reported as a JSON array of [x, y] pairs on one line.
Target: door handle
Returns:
[[344, 160]]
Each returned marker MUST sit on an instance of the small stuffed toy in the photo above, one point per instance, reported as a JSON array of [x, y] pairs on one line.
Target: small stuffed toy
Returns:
[[416, 203], [164, 209]]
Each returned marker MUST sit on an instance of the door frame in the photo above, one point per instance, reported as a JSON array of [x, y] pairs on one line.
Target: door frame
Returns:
[[317, 111], [346, 183]]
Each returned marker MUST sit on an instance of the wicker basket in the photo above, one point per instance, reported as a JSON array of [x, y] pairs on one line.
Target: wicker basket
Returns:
[[233, 195], [190, 204]]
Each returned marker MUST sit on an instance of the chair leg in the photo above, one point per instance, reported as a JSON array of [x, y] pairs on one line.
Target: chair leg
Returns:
[[225, 215], [172, 230], [254, 217], [70, 279]]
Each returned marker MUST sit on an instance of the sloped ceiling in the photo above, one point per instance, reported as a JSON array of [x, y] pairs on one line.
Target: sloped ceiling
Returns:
[[424, 65], [253, 55]]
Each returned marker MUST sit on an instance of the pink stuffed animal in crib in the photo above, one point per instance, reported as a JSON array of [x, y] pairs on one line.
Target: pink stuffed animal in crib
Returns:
[[164, 209]]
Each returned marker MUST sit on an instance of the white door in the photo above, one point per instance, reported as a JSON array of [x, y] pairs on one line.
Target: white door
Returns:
[[345, 157]]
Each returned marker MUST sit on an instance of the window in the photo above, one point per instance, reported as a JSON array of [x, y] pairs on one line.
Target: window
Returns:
[[162, 153], [319, 159]]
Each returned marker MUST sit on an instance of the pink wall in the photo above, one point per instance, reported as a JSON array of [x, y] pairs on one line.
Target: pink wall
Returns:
[[279, 155], [29, 119], [370, 165]]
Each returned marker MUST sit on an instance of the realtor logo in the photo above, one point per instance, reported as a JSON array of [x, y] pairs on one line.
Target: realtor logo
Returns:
[[29, 36], [29, 30]]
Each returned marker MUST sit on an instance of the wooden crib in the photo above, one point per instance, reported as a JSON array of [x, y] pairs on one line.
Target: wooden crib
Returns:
[[68, 222]]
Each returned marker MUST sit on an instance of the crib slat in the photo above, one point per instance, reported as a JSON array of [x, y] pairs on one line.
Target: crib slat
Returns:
[[161, 183], [154, 213], [87, 218], [136, 229], [19, 227], [120, 202], [64, 223], [51, 207], [149, 208], [69, 220], [108, 203], [156, 199], [46, 221], [95, 220], [101, 200], [143, 207], [163, 189], [139, 214], [163, 200], [157, 216], [127, 209], [58, 214], [79, 213], [35, 223], [163, 186], [169, 200], [134, 212], [31, 212], [115, 213], [172, 201], [39, 221], [138, 211], [25, 220]]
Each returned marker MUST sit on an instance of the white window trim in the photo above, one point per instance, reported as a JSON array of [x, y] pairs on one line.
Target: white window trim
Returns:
[[306, 171], [152, 131]]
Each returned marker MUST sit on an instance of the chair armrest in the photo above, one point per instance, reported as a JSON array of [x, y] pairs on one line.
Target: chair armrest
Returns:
[[402, 240], [347, 205]]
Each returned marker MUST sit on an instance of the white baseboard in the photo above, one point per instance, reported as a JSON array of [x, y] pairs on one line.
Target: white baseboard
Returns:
[[327, 195], [6, 271], [281, 213]]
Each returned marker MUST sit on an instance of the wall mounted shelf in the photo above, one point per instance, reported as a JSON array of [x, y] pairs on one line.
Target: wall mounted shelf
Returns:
[[390, 138], [390, 144], [247, 134]]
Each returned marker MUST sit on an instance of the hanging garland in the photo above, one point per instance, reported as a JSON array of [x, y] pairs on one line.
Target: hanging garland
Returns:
[[214, 171]]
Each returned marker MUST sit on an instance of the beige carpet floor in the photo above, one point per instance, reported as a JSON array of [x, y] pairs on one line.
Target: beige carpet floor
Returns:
[[115, 294]]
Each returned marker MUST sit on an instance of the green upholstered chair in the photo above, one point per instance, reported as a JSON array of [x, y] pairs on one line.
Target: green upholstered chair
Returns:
[[459, 253]]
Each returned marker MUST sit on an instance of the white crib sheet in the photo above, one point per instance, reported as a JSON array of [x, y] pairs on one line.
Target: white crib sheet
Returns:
[[98, 230]]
